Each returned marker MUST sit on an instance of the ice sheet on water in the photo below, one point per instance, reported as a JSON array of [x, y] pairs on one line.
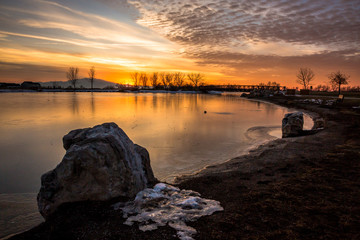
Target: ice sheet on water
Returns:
[[165, 204]]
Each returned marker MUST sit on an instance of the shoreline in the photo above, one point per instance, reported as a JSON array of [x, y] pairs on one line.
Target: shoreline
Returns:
[[303, 187], [288, 193], [270, 138], [257, 139], [251, 152], [263, 131]]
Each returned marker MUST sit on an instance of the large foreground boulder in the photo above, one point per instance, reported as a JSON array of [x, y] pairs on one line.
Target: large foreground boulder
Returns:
[[292, 124], [100, 163]]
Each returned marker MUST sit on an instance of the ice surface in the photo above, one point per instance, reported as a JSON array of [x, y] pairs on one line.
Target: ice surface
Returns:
[[166, 204]]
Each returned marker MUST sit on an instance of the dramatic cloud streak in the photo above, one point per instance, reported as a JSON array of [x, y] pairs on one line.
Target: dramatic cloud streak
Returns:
[[44, 32], [253, 36], [328, 23], [235, 41]]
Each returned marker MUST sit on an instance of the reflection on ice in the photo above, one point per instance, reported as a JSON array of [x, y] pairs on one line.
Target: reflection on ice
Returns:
[[165, 204]]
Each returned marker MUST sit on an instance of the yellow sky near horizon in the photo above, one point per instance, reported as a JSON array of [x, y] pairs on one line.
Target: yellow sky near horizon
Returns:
[[230, 42]]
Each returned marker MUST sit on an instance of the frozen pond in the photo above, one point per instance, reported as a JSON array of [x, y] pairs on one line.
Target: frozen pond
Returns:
[[180, 137]]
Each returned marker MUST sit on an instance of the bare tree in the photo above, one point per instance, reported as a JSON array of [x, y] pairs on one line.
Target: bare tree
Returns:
[[135, 77], [179, 79], [262, 84], [144, 79], [163, 78], [196, 79], [337, 79], [154, 79], [92, 76], [273, 84], [305, 76], [322, 88], [72, 75], [169, 79]]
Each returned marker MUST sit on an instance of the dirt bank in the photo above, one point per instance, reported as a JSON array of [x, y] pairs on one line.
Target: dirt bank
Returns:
[[297, 188]]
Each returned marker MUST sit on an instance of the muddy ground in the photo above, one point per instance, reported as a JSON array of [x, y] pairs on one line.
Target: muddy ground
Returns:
[[296, 188]]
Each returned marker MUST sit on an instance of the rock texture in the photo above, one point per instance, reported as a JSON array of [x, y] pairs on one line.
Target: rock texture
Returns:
[[100, 163], [292, 124], [319, 123]]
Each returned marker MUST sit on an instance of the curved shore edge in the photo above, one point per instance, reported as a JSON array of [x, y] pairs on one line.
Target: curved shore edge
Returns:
[[255, 133], [257, 136], [290, 188], [250, 162], [295, 188]]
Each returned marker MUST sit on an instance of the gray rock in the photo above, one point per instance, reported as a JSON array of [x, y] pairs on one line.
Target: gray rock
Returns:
[[100, 163], [292, 124], [319, 123]]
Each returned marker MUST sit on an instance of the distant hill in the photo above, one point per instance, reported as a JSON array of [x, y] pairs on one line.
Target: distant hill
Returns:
[[81, 83]]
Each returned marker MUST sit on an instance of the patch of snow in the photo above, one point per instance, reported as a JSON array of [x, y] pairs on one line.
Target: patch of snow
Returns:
[[319, 101], [215, 92], [166, 204]]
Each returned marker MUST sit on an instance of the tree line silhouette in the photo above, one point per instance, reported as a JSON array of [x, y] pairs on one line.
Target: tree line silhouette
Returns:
[[180, 80], [158, 80], [167, 80], [306, 75]]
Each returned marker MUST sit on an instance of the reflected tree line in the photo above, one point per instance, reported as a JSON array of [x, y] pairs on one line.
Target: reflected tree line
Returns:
[[74, 103], [80, 104]]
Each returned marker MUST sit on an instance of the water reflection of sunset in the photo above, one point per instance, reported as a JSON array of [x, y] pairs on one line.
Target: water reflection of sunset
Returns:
[[173, 127]]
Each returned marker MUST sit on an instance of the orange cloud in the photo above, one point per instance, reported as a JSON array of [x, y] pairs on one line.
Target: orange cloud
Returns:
[[229, 42]]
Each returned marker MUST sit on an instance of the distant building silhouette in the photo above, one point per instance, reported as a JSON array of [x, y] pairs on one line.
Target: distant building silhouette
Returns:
[[31, 85]]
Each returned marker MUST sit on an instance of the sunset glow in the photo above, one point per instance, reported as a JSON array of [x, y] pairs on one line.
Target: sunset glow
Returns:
[[239, 42]]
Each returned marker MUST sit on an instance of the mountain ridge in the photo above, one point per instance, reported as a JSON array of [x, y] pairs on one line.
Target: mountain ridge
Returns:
[[81, 83]]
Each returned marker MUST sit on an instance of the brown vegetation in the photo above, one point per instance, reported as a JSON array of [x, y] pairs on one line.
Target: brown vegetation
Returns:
[[154, 79], [305, 76], [91, 74], [337, 79], [167, 80], [270, 84], [135, 77], [72, 75], [196, 79]]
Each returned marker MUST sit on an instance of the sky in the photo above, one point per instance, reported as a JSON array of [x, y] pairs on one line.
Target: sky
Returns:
[[229, 41]]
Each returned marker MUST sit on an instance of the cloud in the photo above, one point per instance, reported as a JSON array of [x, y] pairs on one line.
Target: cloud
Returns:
[[257, 68], [79, 25], [233, 22], [331, 59], [77, 32], [231, 36], [30, 72], [247, 37]]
